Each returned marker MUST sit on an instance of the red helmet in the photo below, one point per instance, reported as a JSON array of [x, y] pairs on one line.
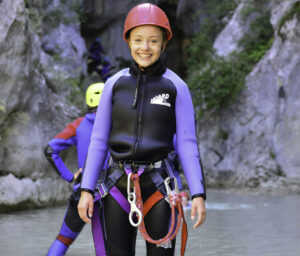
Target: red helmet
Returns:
[[147, 14]]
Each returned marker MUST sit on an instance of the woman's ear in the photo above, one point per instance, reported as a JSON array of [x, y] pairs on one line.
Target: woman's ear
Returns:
[[164, 45], [128, 43]]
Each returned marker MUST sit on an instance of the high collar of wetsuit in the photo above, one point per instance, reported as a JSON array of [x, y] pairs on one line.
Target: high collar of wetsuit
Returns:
[[156, 69], [91, 116]]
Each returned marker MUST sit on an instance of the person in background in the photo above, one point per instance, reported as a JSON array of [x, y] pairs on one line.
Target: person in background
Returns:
[[142, 108], [98, 62], [76, 134]]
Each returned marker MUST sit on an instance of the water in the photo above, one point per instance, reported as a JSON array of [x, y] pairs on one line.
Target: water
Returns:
[[236, 225]]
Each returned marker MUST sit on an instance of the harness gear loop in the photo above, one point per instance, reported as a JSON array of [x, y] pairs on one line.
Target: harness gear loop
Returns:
[[134, 210]]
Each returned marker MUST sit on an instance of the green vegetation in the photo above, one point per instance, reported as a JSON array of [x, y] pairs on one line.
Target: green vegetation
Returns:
[[213, 12], [47, 16], [214, 81], [272, 155], [77, 93], [258, 40], [54, 17], [295, 10], [217, 84], [221, 134], [65, 13], [18, 117], [253, 6], [35, 18], [2, 106]]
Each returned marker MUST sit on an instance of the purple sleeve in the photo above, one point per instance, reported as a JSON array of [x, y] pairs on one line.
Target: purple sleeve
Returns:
[[58, 145], [98, 147], [187, 146]]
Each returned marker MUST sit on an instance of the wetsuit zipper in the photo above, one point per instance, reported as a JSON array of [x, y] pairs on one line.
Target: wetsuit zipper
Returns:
[[139, 119]]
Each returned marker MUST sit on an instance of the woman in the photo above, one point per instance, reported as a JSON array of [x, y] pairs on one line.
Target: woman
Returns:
[[142, 107], [77, 134]]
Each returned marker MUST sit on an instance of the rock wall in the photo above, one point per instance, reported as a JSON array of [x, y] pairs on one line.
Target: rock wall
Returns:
[[43, 55], [260, 151], [34, 88]]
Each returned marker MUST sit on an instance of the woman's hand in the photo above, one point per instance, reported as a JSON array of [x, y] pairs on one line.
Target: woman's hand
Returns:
[[198, 206], [85, 206], [76, 174]]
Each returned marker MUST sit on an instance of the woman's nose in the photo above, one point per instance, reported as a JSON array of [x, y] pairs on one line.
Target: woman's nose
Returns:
[[145, 45]]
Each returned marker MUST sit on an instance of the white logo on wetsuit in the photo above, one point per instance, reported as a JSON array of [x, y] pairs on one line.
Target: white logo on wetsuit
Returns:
[[161, 99]]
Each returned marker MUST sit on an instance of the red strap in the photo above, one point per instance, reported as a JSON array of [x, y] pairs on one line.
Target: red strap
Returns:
[[151, 201], [65, 240], [184, 234]]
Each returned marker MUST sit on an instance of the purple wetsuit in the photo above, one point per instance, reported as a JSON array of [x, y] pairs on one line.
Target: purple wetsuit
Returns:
[[77, 134]]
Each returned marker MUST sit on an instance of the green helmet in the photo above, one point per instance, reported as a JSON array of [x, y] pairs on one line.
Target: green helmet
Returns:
[[93, 94]]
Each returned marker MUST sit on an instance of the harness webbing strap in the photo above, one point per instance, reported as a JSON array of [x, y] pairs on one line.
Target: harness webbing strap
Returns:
[[113, 178], [158, 181], [151, 201], [121, 200], [98, 232], [169, 168], [65, 240]]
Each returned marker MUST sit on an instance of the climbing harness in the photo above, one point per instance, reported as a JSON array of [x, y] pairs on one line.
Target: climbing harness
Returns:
[[135, 208]]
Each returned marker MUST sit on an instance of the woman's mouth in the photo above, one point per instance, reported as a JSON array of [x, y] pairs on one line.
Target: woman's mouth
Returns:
[[144, 56]]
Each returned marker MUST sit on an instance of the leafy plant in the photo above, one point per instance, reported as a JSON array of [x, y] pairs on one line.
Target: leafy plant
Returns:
[[33, 11], [295, 10], [216, 85], [200, 49], [253, 6], [215, 81], [259, 39]]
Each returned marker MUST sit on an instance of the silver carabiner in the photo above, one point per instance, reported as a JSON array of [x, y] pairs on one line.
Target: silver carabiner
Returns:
[[131, 197], [128, 184], [168, 188], [134, 210], [167, 181]]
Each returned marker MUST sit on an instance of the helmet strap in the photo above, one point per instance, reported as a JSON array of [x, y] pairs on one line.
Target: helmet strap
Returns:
[[92, 109]]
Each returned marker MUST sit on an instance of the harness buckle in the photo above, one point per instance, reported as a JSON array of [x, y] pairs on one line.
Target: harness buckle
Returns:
[[103, 191]]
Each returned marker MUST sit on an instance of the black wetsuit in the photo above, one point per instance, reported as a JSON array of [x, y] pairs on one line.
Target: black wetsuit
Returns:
[[141, 111]]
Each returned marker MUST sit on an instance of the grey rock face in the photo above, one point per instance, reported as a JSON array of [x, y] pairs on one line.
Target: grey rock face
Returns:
[[252, 145], [227, 40], [33, 105], [261, 149]]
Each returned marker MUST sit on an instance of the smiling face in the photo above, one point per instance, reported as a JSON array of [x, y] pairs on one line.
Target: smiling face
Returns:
[[146, 44]]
